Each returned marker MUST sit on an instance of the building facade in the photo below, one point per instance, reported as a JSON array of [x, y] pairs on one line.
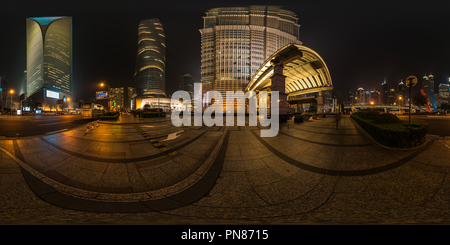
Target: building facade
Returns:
[[237, 40], [49, 60], [150, 74]]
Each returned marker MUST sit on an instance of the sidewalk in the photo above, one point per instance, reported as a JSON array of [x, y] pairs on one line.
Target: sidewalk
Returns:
[[311, 172]]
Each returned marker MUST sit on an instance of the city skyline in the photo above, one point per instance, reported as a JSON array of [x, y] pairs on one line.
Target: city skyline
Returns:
[[356, 46]]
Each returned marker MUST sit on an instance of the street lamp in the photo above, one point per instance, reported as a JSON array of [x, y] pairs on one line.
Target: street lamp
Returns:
[[66, 102], [107, 92], [10, 106], [400, 103]]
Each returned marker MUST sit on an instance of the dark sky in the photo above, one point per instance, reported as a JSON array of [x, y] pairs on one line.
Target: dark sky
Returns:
[[362, 41]]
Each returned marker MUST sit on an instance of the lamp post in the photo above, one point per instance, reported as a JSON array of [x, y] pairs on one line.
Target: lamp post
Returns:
[[400, 103], [10, 105], [107, 92]]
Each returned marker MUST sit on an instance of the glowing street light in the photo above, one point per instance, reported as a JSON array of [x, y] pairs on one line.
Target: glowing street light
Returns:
[[10, 106]]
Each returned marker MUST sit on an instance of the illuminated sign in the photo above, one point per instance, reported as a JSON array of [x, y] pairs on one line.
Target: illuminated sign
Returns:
[[51, 94], [101, 95]]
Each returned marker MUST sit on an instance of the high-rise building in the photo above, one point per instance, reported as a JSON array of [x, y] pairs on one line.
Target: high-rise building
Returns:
[[3, 92], [428, 89], [384, 93], [186, 83], [350, 97], [444, 94], [49, 60], [360, 96], [150, 74], [393, 97], [402, 90], [237, 40], [367, 97], [375, 97]]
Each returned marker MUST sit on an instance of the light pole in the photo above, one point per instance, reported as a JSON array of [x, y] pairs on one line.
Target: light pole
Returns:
[[10, 105], [107, 92], [400, 104]]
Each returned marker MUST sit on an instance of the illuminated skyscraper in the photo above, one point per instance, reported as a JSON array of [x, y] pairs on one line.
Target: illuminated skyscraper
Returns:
[[428, 88], [384, 93], [150, 78], [361, 96], [49, 59], [237, 40]]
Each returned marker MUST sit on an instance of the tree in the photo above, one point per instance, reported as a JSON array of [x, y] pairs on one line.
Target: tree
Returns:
[[419, 100]]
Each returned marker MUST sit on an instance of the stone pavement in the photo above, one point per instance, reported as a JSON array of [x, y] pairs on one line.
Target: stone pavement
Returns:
[[150, 172]]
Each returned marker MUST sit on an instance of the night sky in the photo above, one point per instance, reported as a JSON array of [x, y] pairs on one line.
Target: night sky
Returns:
[[362, 42]]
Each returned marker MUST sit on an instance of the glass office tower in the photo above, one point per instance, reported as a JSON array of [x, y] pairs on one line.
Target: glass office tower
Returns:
[[149, 78], [237, 40], [49, 55]]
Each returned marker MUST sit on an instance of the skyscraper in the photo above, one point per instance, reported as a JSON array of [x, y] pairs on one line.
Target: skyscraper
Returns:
[[150, 77], [237, 40], [186, 83], [402, 91], [49, 59], [428, 88], [360, 96], [384, 93]]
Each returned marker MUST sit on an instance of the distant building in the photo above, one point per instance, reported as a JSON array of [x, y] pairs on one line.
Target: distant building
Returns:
[[375, 97], [402, 90], [393, 97], [350, 97], [428, 88], [186, 83], [3, 92], [384, 93], [444, 94], [367, 97], [360, 96], [49, 60]]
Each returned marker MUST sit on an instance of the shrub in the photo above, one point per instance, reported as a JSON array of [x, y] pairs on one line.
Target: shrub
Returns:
[[368, 114], [398, 135], [386, 118]]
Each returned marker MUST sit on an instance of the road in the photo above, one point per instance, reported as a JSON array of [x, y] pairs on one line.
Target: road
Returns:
[[437, 125], [11, 126]]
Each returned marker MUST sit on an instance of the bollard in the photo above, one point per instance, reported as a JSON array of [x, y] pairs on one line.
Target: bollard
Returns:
[[87, 131], [97, 123], [93, 126]]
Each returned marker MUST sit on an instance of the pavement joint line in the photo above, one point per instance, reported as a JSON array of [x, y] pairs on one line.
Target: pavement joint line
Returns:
[[333, 172], [183, 193], [155, 142], [327, 144]]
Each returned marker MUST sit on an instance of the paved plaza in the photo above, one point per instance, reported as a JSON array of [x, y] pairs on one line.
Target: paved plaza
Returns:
[[149, 172]]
